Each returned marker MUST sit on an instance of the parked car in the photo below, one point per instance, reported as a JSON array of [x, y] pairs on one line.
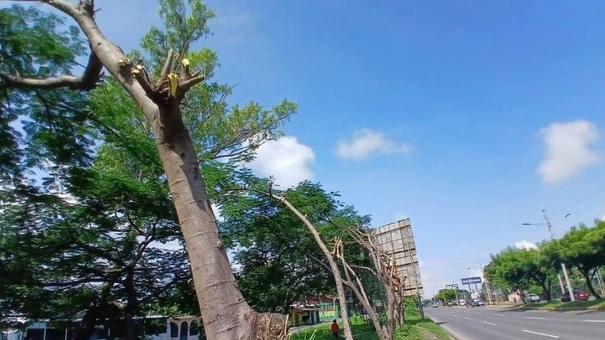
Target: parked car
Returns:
[[578, 294], [533, 298]]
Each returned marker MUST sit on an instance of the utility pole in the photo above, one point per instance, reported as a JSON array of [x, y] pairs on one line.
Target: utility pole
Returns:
[[567, 281], [455, 286], [488, 292]]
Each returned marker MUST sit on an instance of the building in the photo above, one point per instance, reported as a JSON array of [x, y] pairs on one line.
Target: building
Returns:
[[313, 310], [155, 328], [397, 238]]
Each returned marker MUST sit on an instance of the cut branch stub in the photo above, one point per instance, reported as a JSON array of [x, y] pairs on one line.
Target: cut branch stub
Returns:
[[171, 87]]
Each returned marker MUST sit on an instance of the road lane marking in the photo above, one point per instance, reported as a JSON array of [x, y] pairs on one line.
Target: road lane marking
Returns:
[[499, 314], [542, 334], [593, 321], [467, 318], [489, 323], [534, 318]]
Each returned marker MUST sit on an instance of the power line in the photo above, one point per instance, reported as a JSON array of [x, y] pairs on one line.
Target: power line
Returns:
[[567, 212]]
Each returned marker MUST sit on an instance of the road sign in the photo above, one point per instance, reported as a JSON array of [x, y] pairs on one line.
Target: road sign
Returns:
[[469, 280]]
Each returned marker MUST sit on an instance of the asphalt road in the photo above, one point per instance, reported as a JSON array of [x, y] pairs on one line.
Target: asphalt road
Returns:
[[488, 323]]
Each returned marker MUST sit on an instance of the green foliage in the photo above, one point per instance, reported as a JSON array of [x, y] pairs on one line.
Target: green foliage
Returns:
[[515, 268], [361, 332], [217, 129], [446, 295], [38, 127], [185, 23], [357, 319], [278, 259], [414, 329], [411, 305], [569, 306], [582, 248]]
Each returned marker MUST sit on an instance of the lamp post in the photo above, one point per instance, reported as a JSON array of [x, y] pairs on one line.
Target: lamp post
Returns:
[[563, 267]]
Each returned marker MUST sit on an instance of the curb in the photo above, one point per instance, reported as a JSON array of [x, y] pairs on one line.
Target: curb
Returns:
[[449, 332], [452, 334]]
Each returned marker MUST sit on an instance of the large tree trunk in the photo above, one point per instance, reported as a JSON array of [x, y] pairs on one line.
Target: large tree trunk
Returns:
[[86, 327], [225, 313], [545, 285]]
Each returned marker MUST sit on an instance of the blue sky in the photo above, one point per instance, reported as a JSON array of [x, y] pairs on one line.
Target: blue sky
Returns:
[[469, 117]]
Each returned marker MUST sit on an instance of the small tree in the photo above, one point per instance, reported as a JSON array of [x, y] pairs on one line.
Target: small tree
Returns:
[[386, 272]]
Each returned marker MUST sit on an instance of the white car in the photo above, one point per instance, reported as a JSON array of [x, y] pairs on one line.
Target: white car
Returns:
[[533, 298]]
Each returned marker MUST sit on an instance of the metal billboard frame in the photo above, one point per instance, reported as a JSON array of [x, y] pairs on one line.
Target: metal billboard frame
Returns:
[[396, 239]]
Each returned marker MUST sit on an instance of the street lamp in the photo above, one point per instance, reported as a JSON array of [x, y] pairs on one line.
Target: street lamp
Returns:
[[552, 237]]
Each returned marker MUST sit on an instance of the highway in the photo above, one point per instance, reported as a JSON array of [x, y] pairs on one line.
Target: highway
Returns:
[[488, 323]]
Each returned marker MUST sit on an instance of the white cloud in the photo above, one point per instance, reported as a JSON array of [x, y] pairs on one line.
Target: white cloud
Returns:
[[433, 277], [366, 142], [526, 245], [568, 149], [286, 159]]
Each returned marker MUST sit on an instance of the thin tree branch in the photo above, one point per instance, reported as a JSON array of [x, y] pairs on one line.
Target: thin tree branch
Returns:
[[167, 64], [365, 268], [92, 74]]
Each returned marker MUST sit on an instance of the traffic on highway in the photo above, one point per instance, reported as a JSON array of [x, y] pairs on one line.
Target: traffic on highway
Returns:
[[515, 324]]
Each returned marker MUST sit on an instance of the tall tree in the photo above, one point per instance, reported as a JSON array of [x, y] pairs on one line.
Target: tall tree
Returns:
[[226, 315], [314, 214], [273, 250], [515, 268], [582, 248]]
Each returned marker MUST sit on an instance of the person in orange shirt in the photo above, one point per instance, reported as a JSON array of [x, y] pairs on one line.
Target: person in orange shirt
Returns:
[[335, 329]]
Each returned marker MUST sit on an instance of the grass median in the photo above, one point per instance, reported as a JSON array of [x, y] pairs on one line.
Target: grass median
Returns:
[[415, 329], [574, 305]]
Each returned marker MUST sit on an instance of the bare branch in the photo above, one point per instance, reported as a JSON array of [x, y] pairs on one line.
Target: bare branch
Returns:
[[167, 64], [320, 262], [141, 76], [365, 268], [72, 82], [186, 84]]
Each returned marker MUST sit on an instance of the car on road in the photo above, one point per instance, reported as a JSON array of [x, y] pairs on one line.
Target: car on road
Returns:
[[578, 294], [533, 298], [435, 305], [479, 302], [474, 303]]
